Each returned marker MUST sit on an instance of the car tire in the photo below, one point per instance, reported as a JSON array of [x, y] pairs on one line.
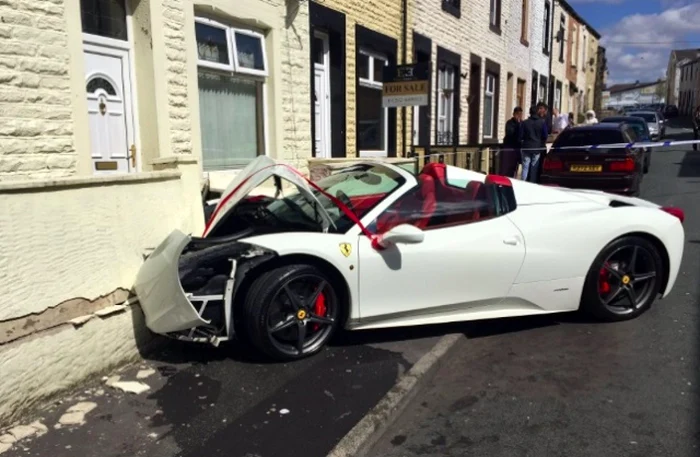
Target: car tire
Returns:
[[271, 296], [611, 267]]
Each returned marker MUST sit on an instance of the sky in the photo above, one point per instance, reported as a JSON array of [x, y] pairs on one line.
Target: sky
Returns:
[[638, 35]]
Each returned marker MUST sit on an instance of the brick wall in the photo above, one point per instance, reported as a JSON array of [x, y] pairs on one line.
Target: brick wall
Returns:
[[176, 53], [35, 114], [381, 16], [469, 34], [518, 52], [539, 61], [297, 144]]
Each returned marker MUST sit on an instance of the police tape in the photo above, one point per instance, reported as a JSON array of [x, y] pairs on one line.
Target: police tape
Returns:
[[593, 147]]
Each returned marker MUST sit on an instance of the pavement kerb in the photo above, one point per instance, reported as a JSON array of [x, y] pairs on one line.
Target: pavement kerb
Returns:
[[371, 427]]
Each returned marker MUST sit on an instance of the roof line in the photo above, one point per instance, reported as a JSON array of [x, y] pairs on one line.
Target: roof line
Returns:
[[569, 9]]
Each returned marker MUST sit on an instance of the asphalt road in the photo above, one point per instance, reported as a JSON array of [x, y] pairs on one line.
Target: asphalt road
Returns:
[[513, 387], [546, 387]]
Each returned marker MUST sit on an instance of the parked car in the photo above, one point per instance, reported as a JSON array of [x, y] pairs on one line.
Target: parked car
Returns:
[[641, 130], [671, 111], [375, 246], [653, 119], [578, 165]]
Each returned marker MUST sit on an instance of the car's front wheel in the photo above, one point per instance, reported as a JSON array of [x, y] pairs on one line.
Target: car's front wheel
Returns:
[[291, 312], [624, 280]]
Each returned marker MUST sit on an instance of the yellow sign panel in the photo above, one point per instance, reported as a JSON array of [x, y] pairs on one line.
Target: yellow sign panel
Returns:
[[405, 88], [346, 249]]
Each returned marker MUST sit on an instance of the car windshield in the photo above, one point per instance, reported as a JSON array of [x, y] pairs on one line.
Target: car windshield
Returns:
[[361, 188], [584, 137], [649, 117]]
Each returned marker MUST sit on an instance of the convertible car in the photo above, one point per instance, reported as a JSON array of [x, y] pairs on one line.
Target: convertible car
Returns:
[[376, 245]]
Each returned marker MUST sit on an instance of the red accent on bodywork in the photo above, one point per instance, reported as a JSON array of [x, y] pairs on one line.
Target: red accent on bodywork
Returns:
[[679, 213], [498, 180]]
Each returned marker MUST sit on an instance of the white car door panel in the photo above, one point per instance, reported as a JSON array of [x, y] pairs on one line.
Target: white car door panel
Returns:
[[453, 268]]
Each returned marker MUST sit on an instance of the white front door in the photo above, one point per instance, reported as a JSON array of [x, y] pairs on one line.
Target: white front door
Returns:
[[453, 271], [322, 99], [110, 112]]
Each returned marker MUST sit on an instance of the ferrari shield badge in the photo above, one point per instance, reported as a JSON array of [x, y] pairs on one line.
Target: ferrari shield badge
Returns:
[[345, 249]]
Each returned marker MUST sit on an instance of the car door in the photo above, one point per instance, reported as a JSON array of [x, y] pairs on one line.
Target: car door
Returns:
[[459, 267]]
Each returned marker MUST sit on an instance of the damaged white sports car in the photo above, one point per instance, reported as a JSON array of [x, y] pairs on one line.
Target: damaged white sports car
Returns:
[[374, 246]]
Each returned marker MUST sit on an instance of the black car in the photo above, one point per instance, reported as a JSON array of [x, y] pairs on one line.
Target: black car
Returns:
[[614, 170], [641, 129], [671, 111]]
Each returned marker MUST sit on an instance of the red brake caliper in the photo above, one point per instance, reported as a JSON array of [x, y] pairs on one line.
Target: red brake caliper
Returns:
[[319, 308], [604, 281]]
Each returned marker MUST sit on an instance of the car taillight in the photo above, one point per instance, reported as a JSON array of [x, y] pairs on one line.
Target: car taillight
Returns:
[[674, 212], [552, 164], [623, 165]]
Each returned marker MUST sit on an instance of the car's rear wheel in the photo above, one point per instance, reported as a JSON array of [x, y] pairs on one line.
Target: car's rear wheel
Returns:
[[624, 280], [291, 312]]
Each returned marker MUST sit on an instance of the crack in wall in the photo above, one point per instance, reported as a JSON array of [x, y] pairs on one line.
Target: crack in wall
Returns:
[[61, 314]]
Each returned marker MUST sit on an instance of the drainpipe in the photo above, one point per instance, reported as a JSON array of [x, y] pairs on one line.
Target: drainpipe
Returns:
[[404, 53]]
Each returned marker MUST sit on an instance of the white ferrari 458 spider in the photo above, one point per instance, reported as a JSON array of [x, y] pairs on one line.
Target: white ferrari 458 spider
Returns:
[[374, 245]]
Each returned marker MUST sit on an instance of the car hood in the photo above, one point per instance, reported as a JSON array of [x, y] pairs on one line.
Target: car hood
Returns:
[[256, 173], [527, 193]]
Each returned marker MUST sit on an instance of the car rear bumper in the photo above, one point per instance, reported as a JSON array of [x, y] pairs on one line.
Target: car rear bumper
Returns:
[[624, 185]]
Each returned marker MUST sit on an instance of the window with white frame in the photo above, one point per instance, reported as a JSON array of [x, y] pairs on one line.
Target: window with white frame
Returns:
[[446, 103], [557, 98], [232, 71], [372, 118], [489, 93]]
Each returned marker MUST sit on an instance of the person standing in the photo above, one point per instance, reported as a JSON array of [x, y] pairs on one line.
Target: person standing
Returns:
[[696, 127], [560, 121], [590, 117], [510, 154], [534, 141]]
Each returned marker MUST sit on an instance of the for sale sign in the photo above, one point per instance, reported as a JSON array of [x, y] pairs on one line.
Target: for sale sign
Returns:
[[406, 85]]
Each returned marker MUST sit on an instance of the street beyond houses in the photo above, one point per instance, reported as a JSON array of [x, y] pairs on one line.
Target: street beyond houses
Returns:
[[545, 386]]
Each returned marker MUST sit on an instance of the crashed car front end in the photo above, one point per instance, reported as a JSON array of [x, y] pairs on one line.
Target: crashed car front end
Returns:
[[187, 284]]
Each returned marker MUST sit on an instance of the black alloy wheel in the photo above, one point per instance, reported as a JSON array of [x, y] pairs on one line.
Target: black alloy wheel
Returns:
[[291, 312], [624, 280]]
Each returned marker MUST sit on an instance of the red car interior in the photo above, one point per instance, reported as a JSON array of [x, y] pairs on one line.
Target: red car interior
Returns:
[[363, 203], [419, 207]]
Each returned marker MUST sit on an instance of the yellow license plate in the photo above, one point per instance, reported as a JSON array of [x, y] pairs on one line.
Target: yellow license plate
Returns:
[[586, 168]]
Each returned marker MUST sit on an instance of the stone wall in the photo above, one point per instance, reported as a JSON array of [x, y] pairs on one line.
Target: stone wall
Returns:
[[36, 129]]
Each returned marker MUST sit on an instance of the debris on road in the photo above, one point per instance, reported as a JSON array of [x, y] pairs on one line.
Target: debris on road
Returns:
[[76, 413], [132, 387], [284, 411], [143, 374]]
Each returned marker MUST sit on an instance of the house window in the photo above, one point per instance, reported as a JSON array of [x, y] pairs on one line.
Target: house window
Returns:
[[452, 6], [495, 16], [533, 88], [545, 28], [520, 93], [562, 27], [489, 91], [446, 103], [584, 63], [543, 89], [232, 71], [372, 118], [105, 18], [524, 22]]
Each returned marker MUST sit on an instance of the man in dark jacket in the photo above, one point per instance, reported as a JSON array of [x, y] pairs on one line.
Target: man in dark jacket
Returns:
[[534, 144], [510, 154]]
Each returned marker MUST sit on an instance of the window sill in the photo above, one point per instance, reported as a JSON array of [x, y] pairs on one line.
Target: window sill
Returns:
[[489, 141], [524, 42], [495, 29], [452, 10]]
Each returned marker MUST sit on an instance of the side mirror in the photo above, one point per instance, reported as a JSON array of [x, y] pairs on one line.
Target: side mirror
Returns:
[[404, 233]]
